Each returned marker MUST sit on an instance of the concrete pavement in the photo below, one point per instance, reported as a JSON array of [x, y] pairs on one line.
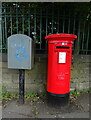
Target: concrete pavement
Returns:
[[39, 108]]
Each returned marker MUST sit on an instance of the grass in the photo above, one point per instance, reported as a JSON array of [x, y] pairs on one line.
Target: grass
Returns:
[[6, 95], [78, 92], [31, 95]]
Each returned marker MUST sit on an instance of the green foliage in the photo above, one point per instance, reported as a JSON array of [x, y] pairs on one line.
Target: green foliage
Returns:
[[28, 14], [6, 95], [31, 95], [75, 93], [78, 92]]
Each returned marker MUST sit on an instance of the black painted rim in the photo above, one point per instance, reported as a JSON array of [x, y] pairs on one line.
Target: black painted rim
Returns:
[[58, 95]]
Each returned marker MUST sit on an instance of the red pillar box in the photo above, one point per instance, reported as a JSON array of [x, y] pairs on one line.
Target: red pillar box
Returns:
[[59, 63]]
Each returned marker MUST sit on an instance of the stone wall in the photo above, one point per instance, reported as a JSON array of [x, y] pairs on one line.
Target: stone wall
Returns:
[[35, 79]]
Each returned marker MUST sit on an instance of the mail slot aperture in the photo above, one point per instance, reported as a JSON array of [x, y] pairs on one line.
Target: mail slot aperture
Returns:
[[62, 47]]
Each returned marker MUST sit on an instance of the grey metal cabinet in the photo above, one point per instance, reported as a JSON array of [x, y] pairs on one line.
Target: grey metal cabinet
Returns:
[[20, 52]]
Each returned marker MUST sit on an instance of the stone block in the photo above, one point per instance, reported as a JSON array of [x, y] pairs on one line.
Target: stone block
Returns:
[[82, 86], [36, 78], [35, 88]]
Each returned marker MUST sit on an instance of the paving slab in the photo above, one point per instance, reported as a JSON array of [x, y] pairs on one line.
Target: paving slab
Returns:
[[74, 115], [83, 100], [13, 109], [0, 109]]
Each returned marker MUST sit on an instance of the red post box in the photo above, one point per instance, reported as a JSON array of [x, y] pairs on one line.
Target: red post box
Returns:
[[59, 63]]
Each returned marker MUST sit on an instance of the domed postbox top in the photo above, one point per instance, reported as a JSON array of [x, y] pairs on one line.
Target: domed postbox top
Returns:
[[61, 36]]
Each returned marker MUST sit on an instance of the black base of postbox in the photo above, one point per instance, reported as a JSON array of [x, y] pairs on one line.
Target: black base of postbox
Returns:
[[57, 99]]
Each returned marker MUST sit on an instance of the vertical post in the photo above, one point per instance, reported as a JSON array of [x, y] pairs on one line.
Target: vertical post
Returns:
[[46, 22], [63, 20], [1, 56], [35, 28], [74, 24], [52, 17], [87, 39], [17, 19], [11, 19], [69, 23], [23, 20], [40, 28], [77, 42], [46, 29], [58, 22], [29, 15], [0, 27], [21, 85], [5, 30], [83, 34]]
